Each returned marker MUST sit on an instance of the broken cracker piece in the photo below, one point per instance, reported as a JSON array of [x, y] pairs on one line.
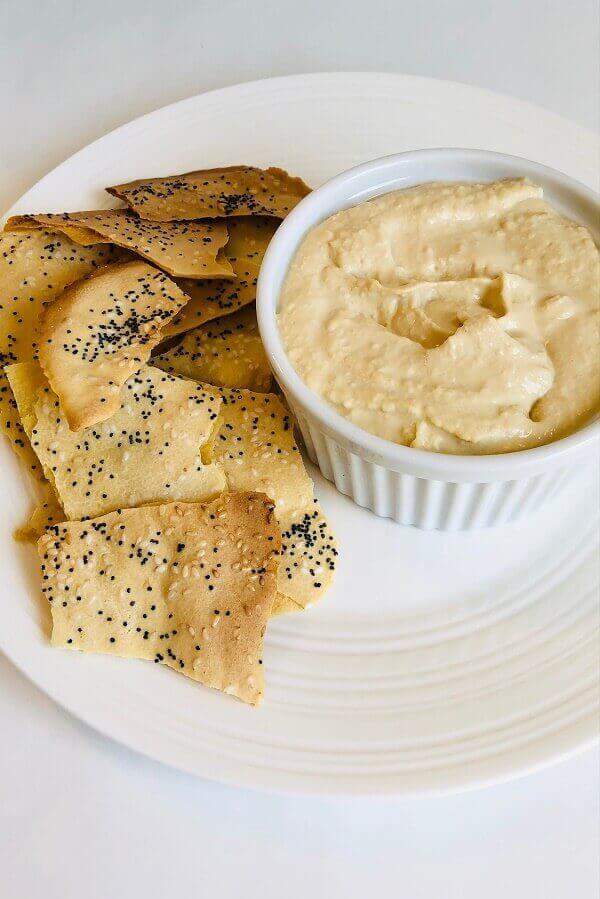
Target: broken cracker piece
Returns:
[[99, 332], [248, 240], [184, 249], [47, 513], [283, 605], [149, 451], [187, 585], [227, 352], [34, 269], [257, 450], [212, 193], [208, 300]]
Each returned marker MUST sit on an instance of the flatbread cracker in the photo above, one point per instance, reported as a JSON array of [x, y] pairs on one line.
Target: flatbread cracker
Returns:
[[227, 352], [249, 237], [47, 513], [34, 268], [248, 240], [283, 605], [256, 447], [184, 249], [208, 300], [100, 332], [187, 585], [212, 193], [147, 452]]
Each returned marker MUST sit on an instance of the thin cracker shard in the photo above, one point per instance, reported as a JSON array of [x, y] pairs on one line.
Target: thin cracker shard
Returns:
[[34, 268], [117, 585], [150, 451], [257, 450], [212, 193], [208, 300], [227, 352], [248, 240], [48, 512], [99, 332], [283, 605], [183, 249]]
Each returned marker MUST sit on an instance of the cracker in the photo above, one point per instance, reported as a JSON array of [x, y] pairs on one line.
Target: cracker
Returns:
[[249, 238], [184, 249], [34, 268], [187, 585], [101, 331], [248, 241], [212, 193], [283, 605], [227, 352], [256, 447], [208, 300], [149, 451], [25, 379], [47, 513]]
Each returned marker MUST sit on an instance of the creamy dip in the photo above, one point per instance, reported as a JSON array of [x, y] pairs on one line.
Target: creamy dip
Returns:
[[461, 318]]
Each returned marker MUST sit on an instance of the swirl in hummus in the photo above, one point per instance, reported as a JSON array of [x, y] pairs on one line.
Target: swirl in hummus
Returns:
[[454, 317]]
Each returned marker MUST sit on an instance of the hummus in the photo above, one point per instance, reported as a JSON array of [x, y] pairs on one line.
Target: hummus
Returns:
[[454, 317]]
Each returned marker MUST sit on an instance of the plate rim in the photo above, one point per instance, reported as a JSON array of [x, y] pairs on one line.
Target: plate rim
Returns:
[[525, 107], [297, 785]]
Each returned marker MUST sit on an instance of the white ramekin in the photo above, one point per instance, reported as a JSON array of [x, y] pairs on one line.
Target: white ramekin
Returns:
[[412, 486]]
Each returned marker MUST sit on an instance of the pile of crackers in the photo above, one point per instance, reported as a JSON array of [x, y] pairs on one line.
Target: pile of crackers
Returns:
[[176, 515]]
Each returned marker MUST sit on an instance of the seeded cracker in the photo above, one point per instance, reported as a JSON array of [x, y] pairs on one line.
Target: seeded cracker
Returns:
[[227, 352], [248, 240], [147, 452], [249, 237], [34, 269], [257, 450], [101, 331], [211, 299], [48, 512], [185, 249], [24, 380], [188, 585], [212, 193]]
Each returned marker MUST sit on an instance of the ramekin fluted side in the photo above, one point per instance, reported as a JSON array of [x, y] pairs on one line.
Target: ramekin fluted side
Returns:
[[423, 502]]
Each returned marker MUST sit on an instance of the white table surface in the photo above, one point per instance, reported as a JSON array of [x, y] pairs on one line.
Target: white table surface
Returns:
[[82, 817]]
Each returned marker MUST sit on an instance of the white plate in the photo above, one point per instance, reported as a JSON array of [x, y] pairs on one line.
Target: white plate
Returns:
[[438, 661]]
